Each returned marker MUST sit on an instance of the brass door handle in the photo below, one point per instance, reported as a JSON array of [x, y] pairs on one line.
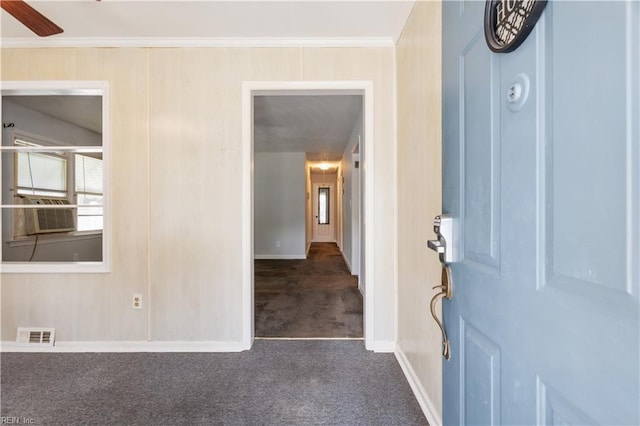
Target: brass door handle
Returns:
[[446, 291]]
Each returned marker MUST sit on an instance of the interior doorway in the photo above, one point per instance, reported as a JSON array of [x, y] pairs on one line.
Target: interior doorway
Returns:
[[326, 197]]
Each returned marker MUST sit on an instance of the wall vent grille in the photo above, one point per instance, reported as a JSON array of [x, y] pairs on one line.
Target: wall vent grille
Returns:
[[36, 336]]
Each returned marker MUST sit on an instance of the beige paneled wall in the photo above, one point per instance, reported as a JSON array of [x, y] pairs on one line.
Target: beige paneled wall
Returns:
[[176, 188], [419, 193], [94, 307]]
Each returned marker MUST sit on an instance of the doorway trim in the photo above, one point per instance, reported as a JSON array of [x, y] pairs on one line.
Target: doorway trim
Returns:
[[355, 87]]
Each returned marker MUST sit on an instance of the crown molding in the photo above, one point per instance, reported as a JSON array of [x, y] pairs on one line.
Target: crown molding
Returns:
[[13, 43]]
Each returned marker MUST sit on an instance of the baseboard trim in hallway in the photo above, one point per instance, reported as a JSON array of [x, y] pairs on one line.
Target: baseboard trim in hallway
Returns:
[[346, 261]]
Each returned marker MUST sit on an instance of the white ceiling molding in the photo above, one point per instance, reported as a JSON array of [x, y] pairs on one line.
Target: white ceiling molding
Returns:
[[25, 43]]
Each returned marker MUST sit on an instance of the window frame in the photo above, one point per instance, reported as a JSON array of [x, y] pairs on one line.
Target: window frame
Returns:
[[80, 88]]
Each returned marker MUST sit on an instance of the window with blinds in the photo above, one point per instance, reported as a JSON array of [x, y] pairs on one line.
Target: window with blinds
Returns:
[[40, 173]]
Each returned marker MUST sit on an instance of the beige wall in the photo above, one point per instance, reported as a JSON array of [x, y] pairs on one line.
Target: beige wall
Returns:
[[176, 189], [419, 193]]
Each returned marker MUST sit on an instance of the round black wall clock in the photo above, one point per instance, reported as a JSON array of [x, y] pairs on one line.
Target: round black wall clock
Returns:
[[507, 23]]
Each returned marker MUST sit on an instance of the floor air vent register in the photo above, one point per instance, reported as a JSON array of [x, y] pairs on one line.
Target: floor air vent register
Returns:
[[28, 336]]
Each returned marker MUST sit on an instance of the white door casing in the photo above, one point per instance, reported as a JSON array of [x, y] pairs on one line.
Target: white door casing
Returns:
[[367, 249]]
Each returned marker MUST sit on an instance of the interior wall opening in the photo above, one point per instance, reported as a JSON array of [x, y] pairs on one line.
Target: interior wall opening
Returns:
[[307, 214]]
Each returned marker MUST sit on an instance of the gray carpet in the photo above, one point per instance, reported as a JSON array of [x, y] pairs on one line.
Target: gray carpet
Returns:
[[315, 297], [276, 383]]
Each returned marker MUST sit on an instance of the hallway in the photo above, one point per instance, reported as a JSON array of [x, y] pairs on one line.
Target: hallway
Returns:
[[315, 297]]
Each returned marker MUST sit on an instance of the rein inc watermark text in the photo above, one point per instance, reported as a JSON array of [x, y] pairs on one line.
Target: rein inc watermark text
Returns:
[[9, 420]]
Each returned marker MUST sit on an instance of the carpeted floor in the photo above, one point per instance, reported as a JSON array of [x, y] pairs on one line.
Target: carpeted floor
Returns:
[[316, 297], [276, 383]]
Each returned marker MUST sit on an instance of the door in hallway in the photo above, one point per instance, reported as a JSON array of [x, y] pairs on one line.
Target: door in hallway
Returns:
[[323, 212], [540, 171]]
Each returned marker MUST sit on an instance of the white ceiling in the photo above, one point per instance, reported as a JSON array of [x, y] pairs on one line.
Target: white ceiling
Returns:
[[319, 125], [159, 22]]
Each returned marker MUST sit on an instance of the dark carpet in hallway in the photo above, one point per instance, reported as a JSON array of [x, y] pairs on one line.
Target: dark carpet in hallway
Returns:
[[275, 383], [315, 297]]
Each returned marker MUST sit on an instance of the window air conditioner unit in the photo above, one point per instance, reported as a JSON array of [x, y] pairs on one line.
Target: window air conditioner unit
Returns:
[[47, 220]]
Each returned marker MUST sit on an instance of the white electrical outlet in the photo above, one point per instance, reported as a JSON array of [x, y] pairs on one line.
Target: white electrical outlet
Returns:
[[136, 302], [278, 243]]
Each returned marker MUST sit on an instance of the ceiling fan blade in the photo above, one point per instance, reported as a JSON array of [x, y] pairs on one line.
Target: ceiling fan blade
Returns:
[[31, 18]]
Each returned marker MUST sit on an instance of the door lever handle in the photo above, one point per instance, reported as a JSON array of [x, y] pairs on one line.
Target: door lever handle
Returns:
[[446, 292], [436, 245]]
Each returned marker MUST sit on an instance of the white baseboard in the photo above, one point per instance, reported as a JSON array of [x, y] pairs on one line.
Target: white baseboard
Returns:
[[428, 408], [129, 346], [346, 260], [381, 346], [279, 256]]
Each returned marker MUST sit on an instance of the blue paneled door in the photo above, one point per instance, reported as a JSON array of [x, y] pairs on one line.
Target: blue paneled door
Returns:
[[544, 317]]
